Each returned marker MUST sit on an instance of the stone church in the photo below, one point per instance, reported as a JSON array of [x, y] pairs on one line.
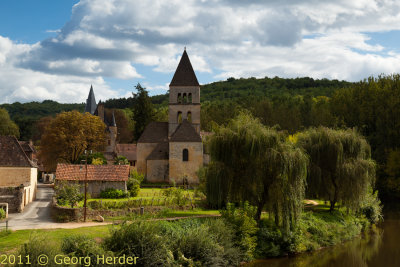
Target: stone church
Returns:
[[173, 151]]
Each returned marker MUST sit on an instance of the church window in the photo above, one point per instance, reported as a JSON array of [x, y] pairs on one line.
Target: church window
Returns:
[[184, 98], [185, 155], [109, 142], [190, 98], [179, 98], [179, 117], [189, 116]]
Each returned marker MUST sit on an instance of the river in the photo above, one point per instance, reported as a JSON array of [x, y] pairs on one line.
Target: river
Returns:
[[380, 248]]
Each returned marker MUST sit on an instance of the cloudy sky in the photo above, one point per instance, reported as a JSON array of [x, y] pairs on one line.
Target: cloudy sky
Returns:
[[56, 49]]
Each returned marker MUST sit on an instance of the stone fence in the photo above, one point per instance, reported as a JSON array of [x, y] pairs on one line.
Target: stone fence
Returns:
[[13, 196]]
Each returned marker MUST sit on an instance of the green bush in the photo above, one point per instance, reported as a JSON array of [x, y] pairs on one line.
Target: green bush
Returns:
[[245, 227], [2, 213], [82, 246], [134, 181], [141, 239], [177, 194], [371, 207], [37, 246], [113, 193], [68, 193]]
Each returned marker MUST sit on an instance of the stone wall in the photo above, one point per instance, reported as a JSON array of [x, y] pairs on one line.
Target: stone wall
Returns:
[[15, 176], [157, 171], [178, 168], [173, 110], [14, 196], [143, 151], [95, 187]]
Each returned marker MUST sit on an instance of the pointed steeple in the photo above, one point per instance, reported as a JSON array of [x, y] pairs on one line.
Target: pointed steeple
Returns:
[[91, 102], [113, 123], [184, 74]]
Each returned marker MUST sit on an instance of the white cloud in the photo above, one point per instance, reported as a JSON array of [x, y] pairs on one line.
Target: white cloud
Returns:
[[112, 38]]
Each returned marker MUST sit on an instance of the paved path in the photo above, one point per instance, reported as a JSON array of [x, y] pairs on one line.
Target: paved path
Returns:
[[36, 215]]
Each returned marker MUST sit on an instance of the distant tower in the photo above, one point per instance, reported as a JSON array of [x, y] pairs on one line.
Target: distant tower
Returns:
[[112, 139], [184, 96], [91, 102]]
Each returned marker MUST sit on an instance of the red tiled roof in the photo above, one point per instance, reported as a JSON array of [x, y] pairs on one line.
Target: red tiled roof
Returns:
[[95, 172], [127, 150]]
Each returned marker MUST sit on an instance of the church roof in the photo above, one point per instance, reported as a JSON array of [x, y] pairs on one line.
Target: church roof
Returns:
[[184, 74], [90, 102], [12, 154], [185, 133], [161, 151], [155, 132]]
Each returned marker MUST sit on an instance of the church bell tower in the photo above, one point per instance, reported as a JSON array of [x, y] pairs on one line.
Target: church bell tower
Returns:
[[184, 97]]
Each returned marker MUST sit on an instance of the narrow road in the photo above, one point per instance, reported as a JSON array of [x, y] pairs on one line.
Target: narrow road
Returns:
[[37, 215]]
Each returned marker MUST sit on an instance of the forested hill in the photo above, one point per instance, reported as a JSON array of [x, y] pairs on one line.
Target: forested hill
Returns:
[[235, 89], [232, 90]]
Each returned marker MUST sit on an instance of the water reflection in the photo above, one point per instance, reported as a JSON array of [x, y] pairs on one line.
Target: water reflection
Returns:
[[380, 248]]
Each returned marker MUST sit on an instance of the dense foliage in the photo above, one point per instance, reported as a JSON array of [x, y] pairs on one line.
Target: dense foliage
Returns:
[[7, 126], [142, 111], [68, 193], [250, 162], [68, 136], [134, 181], [113, 193], [341, 169]]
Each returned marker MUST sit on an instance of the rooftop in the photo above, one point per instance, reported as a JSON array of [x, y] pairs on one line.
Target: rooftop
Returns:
[[71, 172]]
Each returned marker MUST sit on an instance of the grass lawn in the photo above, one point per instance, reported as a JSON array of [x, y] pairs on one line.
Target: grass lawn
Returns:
[[10, 243]]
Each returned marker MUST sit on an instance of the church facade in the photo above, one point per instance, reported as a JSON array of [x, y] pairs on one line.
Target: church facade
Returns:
[[173, 151]]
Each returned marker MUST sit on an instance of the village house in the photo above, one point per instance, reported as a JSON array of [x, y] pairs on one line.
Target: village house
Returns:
[[18, 174], [173, 151], [99, 177]]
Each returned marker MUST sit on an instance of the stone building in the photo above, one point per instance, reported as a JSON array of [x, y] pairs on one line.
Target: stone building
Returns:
[[99, 177], [173, 151], [18, 174]]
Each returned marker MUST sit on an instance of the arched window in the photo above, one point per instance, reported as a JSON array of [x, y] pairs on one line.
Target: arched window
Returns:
[[179, 98], [189, 116], [179, 117], [184, 98], [190, 98], [185, 155]]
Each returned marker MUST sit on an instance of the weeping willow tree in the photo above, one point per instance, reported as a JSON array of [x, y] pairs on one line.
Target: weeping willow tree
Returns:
[[341, 168], [250, 162]]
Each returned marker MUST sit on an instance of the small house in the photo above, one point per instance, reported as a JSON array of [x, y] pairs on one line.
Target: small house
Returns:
[[98, 177]]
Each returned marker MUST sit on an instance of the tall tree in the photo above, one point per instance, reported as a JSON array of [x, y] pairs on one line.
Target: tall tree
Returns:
[[250, 162], [68, 135], [143, 111], [341, 168], [7, 126]]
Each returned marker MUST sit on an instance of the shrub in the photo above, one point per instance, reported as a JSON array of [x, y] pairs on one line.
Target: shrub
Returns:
[[371, 207], [245, 227], [134, 181], [68, 193], [121, 160], [2, 213], [140, 239], [177, 194], [37, 246], [113, 193], [82, 246]]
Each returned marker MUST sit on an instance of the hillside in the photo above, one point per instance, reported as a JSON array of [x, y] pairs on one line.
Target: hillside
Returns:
[[231, 90]]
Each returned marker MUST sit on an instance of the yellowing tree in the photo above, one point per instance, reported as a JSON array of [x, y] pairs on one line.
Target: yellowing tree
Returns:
[[68, 136], [7, 126]]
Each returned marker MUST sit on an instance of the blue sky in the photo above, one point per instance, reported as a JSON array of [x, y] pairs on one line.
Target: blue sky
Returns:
[[55, 49]]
